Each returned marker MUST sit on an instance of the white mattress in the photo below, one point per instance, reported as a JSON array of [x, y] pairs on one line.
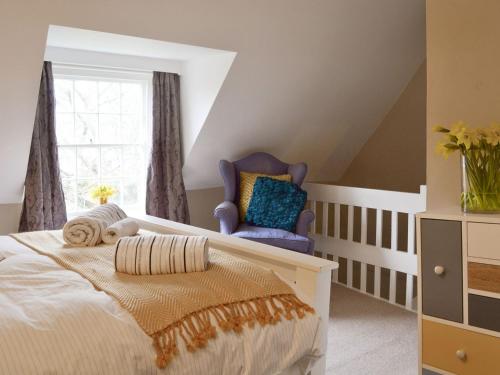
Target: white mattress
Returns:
[[54, 321]]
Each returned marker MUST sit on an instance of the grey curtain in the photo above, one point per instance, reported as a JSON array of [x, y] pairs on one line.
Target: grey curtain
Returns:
[[166, 194], [43, 206]]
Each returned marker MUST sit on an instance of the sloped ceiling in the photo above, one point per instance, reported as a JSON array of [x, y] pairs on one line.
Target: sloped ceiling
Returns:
[[311, 81], [202, 70]]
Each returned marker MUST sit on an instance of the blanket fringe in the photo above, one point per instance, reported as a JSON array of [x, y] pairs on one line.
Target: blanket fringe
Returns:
[[196, 328]]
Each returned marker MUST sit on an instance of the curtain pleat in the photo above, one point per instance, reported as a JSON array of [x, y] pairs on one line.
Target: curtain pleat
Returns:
[[43, 206], [165, 193]]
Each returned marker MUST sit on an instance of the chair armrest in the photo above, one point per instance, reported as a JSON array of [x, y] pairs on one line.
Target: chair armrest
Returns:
[[227, 213], [306, 217]]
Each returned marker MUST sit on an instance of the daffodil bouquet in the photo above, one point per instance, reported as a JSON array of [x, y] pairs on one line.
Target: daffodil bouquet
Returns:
[[102, 192], [480, 150]]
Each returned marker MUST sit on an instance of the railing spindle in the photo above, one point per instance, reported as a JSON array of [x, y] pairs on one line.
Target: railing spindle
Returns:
[[411, 234], [394, 230], [335, 275], [350, 234], [392, 286], [325, 219], [378, 243], [409, 292], [364, 224], [364, 229], [350, 223], [337, 221], [313, 224], [394, 247], [376, 287], [378, 228]]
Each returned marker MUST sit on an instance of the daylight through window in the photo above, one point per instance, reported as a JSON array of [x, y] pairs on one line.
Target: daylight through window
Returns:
[[102, 134]]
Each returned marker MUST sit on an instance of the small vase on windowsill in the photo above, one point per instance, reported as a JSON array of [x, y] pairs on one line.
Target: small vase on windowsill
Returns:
[[101, 193]]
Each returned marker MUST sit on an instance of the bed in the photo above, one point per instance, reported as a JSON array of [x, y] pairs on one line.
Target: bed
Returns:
[[52, 320]]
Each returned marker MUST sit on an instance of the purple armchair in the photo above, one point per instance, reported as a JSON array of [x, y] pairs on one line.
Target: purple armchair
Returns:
[[227, 211]]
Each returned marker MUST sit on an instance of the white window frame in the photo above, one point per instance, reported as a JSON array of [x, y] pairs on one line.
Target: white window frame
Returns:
[[66, 71]]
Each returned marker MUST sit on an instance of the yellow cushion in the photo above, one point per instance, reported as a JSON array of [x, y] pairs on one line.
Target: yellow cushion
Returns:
[[247, 181]]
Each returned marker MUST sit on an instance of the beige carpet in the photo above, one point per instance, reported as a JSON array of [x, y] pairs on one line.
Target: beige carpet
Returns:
[[369, 337]]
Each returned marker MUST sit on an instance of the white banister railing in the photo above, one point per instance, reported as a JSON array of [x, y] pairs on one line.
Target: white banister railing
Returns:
[[330, 244]]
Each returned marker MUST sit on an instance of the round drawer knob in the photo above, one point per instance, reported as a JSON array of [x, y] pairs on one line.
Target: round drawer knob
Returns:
[[439, 270], [461, 355]]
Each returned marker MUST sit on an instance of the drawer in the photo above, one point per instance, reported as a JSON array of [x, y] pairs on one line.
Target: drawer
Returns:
[[484, 277], [483, 240], [441, 250], [441, 342], [484, 312]]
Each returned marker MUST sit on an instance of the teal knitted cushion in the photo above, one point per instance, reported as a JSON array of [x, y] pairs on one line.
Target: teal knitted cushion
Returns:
[[275, 204]]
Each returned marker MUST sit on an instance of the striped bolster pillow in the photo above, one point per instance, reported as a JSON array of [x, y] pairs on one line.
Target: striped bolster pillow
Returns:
[[161, 254]]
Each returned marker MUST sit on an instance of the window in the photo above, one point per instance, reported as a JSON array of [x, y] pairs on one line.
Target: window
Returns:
[[102, 127]]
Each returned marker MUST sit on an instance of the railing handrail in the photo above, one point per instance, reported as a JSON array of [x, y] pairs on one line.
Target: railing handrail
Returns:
[[370, 198]]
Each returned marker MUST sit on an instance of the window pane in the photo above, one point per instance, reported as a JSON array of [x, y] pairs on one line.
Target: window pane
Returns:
[[86, 96], [88, 162], [85, 128], [69, 187], [131, 98], [109, 97], [65, 128], [102, 132], [133, 160], [84, 200], [131, 129], [111, 161], [109, 129], [64, 95], [130, 193], [67, 161]]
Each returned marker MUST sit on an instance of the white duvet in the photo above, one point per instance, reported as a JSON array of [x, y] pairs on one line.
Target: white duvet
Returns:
[[54, 322]]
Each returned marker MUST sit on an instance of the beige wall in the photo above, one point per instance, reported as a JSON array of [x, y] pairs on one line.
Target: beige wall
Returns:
[[463, 68], [294, 88], [394, 156], [9, 218], [201, 207]]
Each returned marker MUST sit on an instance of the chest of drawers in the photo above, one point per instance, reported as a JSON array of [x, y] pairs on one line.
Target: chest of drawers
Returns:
[[459, 293]]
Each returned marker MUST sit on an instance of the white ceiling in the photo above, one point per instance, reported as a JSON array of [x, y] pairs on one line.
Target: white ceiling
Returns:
[[89, 40]]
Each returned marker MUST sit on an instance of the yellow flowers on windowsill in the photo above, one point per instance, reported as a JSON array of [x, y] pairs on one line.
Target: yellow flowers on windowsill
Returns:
[[480, 150], [102, 193]]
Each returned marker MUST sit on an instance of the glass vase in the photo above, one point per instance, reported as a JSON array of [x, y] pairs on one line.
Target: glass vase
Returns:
[[480, 181]]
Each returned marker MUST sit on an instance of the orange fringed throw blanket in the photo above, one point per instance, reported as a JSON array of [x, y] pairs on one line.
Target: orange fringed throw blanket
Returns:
[[169, 308]]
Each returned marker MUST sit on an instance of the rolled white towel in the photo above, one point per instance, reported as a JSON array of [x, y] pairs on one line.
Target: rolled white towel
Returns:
[[122, 228], [87, 230], [161, 254]]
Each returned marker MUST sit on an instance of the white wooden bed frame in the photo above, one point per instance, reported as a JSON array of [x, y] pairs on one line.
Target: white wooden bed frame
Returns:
[[311, 275]]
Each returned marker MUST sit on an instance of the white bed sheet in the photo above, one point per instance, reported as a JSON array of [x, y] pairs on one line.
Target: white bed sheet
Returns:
[[53, 321]]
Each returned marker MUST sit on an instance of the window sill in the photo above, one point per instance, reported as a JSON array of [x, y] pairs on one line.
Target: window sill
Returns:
[[132, 212]]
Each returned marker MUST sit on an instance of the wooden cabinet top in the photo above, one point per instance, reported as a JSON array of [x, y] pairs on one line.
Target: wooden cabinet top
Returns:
[[455, 213]]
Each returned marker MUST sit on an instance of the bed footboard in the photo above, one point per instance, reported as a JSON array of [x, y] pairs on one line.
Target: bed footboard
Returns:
[[312, 275]]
